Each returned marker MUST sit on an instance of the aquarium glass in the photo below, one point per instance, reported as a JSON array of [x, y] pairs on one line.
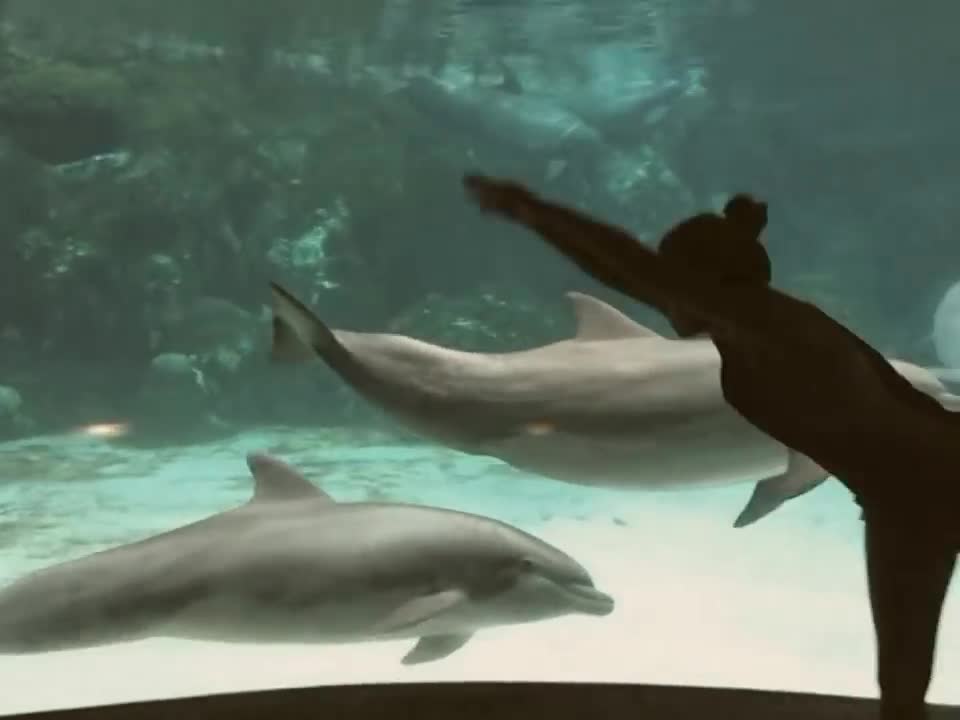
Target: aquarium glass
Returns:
[[162, 163]]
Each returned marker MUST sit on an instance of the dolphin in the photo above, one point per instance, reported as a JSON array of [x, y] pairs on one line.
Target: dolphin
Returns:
[[516, 122], [527, 122], [618, 405], [538, 121], [294, 565]]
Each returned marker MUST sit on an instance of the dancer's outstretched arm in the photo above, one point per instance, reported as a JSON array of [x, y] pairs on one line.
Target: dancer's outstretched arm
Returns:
[[609, 254]]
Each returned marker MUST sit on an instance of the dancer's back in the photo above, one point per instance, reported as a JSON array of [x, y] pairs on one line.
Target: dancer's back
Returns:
[[810, 383], [821, 390]]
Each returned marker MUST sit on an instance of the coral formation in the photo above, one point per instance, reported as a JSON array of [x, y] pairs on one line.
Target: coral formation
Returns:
[[61, 112], [155, 181]]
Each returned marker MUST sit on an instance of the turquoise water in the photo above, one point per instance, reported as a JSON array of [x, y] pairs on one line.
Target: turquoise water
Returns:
[[163, 162], [777, 606]]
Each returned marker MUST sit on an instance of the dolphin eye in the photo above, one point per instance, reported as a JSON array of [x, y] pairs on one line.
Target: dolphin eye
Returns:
[[527, 565]]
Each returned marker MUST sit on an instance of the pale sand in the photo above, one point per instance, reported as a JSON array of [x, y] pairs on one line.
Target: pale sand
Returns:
[[780, 605]]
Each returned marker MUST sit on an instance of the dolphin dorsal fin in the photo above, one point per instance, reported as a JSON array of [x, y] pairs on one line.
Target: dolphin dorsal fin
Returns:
[[598, 321], [275, 480]]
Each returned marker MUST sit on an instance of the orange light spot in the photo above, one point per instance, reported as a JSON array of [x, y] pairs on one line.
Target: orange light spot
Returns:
[[105, 430], [540, 428]]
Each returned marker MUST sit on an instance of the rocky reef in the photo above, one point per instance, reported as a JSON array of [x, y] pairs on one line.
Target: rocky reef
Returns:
[[149, 203], [152, 190]]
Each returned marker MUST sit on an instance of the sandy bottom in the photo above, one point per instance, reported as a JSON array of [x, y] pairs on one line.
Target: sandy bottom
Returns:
[[777, 606]]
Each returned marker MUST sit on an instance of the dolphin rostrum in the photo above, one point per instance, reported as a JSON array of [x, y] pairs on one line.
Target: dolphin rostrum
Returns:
[[294, 565], [618, 405]]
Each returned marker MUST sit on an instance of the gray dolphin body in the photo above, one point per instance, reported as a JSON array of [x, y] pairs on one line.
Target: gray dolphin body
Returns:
[[618, 405], [293, 565], [524, 121], [536, 121], [515, 122]]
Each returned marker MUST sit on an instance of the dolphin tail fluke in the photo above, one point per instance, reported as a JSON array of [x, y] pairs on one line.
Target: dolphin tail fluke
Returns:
[[435, 647], [286, 346], [801, 476], [298, 335]]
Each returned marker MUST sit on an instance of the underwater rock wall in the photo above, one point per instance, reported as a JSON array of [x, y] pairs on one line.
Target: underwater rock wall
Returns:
[[154, 182], [136, 261]]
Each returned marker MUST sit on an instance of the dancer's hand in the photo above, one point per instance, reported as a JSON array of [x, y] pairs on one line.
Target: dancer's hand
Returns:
[[500, 196]]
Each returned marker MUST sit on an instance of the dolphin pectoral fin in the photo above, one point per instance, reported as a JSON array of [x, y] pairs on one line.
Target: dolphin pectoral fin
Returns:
[[435, 647], [801, 476], [415, 612]]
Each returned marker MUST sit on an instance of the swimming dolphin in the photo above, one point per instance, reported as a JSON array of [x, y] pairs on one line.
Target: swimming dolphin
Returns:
[[515, 122], [528, 122], [618, 405], [538, 121], [294, 565]]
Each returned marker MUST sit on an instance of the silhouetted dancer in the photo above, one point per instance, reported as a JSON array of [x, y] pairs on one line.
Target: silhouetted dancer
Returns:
[[807, 381]]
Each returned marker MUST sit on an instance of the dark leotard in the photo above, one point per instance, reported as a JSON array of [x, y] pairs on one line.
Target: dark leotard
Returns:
[[787, 367], [807, 381]]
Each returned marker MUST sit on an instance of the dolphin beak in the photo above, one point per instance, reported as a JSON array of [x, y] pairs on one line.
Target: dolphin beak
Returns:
[[588, 600]]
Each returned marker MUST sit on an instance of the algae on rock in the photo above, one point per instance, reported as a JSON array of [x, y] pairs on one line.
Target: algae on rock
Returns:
[[61, 112]]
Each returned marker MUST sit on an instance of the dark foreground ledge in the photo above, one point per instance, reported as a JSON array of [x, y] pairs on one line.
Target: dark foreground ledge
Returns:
[[495, 701]]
